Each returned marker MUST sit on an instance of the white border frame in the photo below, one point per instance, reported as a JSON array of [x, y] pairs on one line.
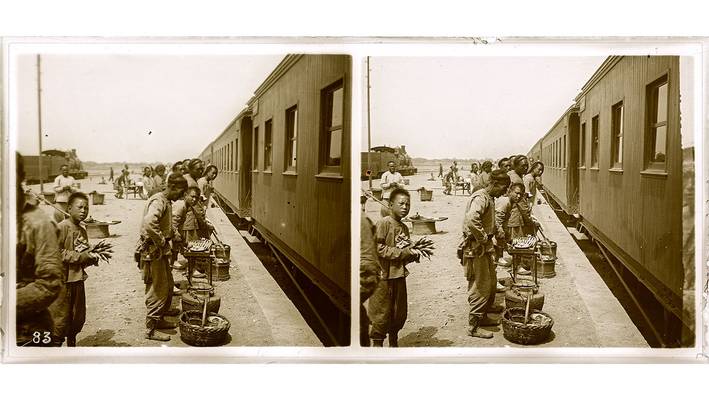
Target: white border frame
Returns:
[[358, 48]]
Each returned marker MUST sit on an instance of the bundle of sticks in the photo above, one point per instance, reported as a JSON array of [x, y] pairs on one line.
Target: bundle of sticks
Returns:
[[102, 250]]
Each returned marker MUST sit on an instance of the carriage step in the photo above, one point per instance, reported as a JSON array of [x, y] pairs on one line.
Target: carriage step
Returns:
[[249, 237], [576, 234]]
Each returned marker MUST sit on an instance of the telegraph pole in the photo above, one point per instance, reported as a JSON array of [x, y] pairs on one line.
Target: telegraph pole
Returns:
[[39, 117], [369, 132]]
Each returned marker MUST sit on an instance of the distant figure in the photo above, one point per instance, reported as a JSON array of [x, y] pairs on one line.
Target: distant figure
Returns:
[[159, 178], [148, 183], [110, 176], [63, 187], [391, 180], [504, 164], [533, 179], [440, 170], [205, 183]]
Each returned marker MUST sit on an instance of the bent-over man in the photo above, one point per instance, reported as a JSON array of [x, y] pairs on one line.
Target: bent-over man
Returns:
[[479, 229], [155, 258]]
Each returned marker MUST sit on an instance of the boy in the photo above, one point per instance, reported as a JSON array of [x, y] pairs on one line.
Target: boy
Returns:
[[69, 310], [183, 232], [388, 304]]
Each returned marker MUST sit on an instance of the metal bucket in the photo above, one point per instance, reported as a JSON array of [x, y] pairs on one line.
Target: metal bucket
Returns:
[[426, 195], [49, 196], [97, 198], [220, 269], [548, 249], [377, 193], [222, 251], [546, 266]]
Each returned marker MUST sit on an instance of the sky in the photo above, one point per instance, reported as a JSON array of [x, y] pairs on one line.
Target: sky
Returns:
[[104, 106], [471, 107]]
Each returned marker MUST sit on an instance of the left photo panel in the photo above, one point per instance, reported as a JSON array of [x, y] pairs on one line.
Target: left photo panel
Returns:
[[177, 200]]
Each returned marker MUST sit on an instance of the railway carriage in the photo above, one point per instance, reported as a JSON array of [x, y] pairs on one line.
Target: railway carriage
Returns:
[[614, 160], [284, 164]]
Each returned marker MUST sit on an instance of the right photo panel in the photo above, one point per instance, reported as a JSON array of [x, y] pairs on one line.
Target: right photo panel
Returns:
[[528, 201]]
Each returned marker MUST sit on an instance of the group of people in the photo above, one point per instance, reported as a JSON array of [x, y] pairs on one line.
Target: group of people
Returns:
[[498, 211], [53, 254]]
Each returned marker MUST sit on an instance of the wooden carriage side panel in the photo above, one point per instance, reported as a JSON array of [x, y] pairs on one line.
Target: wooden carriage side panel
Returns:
[[635, 211], [303, 212]]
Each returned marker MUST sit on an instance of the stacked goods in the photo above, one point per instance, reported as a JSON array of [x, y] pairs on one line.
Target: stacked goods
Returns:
[[527, 242], [200, 245]]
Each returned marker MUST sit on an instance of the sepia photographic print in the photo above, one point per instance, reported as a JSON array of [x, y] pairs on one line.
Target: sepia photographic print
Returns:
[[178, 197], [538, 201]]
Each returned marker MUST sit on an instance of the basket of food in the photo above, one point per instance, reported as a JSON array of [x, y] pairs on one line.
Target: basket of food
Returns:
[[202, 330], [524, 326]]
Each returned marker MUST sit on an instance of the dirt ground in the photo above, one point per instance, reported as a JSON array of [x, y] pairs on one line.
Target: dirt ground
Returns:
[[115, 291], [438, 309]]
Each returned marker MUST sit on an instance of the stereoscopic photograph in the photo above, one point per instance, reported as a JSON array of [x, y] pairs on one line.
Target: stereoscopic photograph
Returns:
[[179, 199], [524, 202]]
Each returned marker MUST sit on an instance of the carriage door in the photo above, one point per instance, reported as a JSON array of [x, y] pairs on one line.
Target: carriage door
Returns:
[[572, 161], [244, 147]]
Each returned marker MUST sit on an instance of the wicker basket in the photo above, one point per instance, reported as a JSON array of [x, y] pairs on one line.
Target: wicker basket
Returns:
[[516, 331], [214, 332], [517, 298], [192, 302]]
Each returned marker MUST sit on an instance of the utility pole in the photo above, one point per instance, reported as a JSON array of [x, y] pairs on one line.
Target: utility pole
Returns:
[[39, 117], [369, 132]]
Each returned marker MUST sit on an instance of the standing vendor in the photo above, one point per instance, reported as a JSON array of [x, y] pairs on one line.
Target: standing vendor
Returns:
[[391, 180], [63, 187]]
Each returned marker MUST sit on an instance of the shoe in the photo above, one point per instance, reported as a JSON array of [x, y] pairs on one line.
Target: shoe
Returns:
[[178, 266], [155, 335], [479, 333], [523, 271], [487, 321], [173, 312], [501, 288], [503, 263], [495, 309], [71, 341], [197, 274], [165, 324]]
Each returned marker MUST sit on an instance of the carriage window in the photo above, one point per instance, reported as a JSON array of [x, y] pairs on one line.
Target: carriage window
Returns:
[[594, 141], [563, 152], [332, 111], [291, 138], [236, 154], [254, 163], [267, 146], [582, 150], [656, 130], [617, 135]]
